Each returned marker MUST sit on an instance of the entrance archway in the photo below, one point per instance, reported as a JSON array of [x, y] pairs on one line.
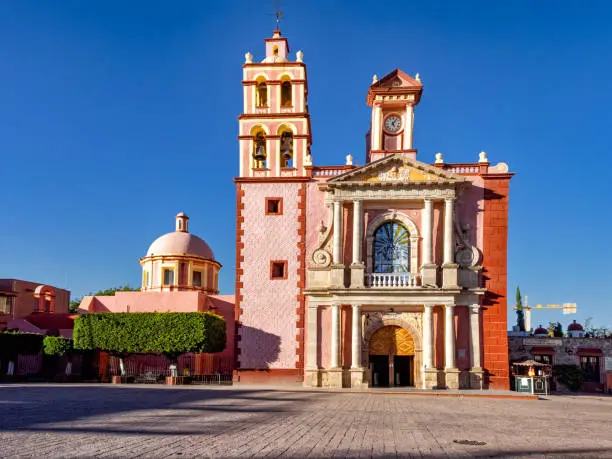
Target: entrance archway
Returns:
[[391, 357]]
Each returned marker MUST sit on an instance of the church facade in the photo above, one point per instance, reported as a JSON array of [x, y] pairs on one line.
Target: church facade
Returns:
[[388, 274]]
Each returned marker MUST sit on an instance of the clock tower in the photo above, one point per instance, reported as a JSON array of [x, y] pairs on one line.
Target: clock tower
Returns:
[[392, 99]]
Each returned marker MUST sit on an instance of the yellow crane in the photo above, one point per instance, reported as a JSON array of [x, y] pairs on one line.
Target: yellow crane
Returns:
[[568, 308]]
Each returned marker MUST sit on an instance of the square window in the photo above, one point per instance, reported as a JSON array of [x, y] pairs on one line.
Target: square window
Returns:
[[278, 269], [274, 206], [168, 276], [197, 279]]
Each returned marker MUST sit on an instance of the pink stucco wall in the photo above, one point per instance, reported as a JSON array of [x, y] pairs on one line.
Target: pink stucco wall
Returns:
[[268, 319]]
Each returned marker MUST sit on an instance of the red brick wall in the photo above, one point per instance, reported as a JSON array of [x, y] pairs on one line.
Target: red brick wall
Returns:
[[495, 256]]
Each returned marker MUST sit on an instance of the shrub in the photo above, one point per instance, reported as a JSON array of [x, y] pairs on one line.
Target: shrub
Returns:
[[150, 332], [57, 345], [569, 375]]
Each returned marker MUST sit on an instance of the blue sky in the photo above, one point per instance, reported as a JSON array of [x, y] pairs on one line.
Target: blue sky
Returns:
[[116, 115]]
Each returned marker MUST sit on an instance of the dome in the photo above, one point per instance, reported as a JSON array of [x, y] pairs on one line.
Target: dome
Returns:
[[575, 327], [181, 242], [540, 331]]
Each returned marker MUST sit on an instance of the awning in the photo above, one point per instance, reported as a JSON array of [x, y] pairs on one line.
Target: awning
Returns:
[[542, 350], [590, 351]]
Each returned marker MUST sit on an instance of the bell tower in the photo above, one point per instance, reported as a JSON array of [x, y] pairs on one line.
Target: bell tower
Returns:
[[274, 125], [392, 99]]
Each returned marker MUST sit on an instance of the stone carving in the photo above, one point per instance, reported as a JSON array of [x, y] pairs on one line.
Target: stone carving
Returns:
[[322, 255]]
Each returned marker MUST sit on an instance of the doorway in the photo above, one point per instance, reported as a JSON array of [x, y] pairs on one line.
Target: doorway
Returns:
[[379, 369], [391, 351], [402, 366]]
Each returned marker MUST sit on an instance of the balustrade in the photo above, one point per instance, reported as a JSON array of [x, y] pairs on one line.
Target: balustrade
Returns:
[[393, 280]]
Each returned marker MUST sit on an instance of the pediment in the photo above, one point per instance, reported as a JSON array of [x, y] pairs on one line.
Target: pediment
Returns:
[[396, 169], [396, 79]]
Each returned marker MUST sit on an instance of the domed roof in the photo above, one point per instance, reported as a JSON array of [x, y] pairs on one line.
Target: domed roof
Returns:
[[181, 242], [575, 327], [540, 331]]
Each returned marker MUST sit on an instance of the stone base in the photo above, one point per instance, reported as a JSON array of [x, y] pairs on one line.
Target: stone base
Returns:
[[312, 378], [431, 378], [429, 275], [452, 378], [357, 275], [449, 275], [118, 380], [331, 378], [337, 276], [359, 379], [476, 378], [175, 380]]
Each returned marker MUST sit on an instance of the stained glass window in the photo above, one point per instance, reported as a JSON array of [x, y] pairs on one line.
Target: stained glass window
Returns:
[[391, 248]]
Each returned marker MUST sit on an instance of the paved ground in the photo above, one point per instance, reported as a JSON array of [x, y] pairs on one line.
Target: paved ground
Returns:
[[157, 421]]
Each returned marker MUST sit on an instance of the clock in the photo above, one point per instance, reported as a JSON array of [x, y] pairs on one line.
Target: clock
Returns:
[[393, 123]]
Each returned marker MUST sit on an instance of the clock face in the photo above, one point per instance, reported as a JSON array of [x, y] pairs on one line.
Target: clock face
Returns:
[[393, 123]]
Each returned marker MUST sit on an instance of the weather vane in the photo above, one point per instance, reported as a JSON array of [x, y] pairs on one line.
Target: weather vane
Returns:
[[279, 16]]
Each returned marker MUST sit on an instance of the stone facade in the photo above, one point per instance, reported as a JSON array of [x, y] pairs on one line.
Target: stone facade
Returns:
[[393, 243]]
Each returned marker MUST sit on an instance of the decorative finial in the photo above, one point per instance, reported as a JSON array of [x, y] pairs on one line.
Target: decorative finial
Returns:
[[308, 160], [299, 56], [248, 58], [439, 159], [482, 157], [279, 16], [417, 77], [349, 160], [374, 79]]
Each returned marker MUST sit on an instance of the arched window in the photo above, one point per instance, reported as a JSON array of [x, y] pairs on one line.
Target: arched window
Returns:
[[286, 149], [259, 151], [261, 96], [286, 99], [391, 248]]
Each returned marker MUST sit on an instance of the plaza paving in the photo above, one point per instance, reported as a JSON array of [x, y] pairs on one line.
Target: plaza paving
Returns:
[[158, 421]]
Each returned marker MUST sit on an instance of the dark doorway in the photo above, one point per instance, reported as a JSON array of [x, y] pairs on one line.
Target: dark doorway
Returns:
[[402, 366], [379, 367]]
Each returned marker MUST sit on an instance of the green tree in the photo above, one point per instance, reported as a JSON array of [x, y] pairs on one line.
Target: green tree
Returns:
[[74, 304], [168, 333], [520, 314], [57, 345], [555, 329]]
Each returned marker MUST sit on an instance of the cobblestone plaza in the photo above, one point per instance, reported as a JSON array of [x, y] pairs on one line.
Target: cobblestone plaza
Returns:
[[154, 421]]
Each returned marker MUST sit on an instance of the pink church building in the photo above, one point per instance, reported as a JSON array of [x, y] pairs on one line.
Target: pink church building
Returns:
[[388, 274]]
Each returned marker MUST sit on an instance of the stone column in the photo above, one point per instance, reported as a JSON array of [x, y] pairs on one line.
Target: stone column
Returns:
[[356, 338], [430, 372], [449, 267], [428, 269], [450, 366], [333, 376], [335, 336], [449, 205], [376, 138], [337, 269], [476, 370], [312, 377], [337, 232], [357, 267]]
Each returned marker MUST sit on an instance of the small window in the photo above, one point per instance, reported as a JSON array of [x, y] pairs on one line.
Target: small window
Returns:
[[168, 276], [274, 206], [5, 304], [197, 279], [543, 358], [278, 269]]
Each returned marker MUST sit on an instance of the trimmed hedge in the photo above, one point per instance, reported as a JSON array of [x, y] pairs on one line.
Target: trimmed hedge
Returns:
[[170, 333], [57, 345], [12, 343]]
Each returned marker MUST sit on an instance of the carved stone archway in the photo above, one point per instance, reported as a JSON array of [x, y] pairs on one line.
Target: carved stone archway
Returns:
[[410, 321], [407, 223]]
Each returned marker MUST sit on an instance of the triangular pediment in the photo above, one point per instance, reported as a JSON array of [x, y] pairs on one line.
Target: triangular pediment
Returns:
[[396, 79], [397, 169]]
